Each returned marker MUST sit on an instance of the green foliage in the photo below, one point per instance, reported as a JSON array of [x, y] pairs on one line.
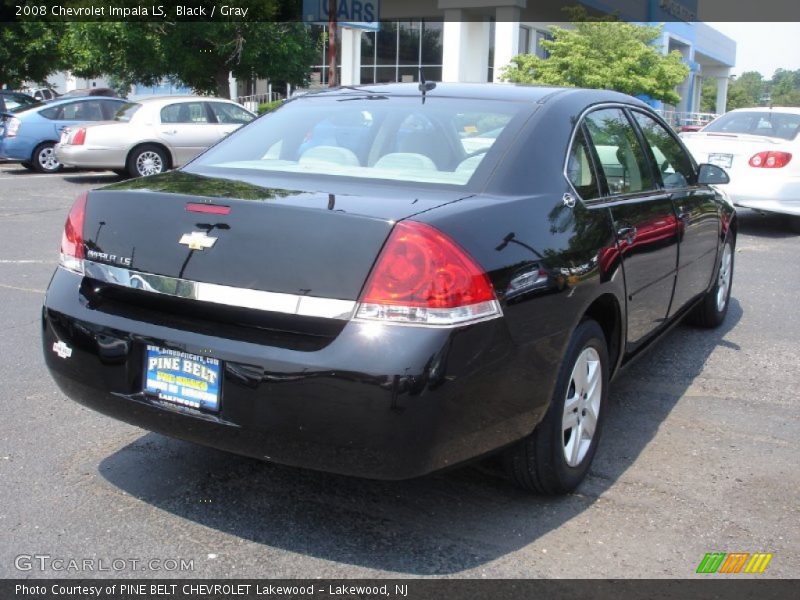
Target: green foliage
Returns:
[[746, 90], [266, 107], [606, 54], [197, 54], [29, 51]]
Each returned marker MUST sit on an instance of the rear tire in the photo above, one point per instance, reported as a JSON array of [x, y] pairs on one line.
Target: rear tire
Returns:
[[44, 160], [147, 159], [713, 308], [794, 224], [555, 458]]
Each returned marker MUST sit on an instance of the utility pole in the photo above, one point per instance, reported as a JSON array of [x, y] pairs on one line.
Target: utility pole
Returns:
[[333, 73]]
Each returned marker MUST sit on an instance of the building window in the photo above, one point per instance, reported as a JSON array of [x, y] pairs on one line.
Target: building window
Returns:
[[319, 72], [542, 36], [400, 49], [524, 40]]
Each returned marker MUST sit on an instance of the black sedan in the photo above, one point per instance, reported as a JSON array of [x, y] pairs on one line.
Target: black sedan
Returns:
[[384, 281]]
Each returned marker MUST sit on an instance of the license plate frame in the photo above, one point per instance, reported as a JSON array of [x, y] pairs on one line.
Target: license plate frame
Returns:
[[721, 160], [183, 379]]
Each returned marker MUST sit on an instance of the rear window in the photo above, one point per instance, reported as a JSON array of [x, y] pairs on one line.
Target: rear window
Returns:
[[441, 140], [18, 101], [766, 123], [126, 111]]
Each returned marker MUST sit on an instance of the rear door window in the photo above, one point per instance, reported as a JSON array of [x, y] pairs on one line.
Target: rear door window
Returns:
[[580, 170], [185, 112], [88, 110], [622, 158]]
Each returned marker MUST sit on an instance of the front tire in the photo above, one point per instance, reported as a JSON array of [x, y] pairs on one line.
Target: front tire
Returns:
[[713, 308], [555, 458], [147, 160], [44, 158]]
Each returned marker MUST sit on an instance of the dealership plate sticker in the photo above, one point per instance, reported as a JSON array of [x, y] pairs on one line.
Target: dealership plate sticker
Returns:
[[182, 378], [721, 160]]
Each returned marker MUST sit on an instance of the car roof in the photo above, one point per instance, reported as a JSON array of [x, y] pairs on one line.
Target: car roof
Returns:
[[480, 91], [792, 110], [62, 100], [184, 97]]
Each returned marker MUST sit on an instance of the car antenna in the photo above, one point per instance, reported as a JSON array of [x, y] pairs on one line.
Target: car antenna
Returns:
[[425, 86]]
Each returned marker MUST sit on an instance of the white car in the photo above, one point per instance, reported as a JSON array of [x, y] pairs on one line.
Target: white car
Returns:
[[760, 150], [151, 135]]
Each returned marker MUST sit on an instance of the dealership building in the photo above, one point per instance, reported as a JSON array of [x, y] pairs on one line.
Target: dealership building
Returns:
[[472, 40]]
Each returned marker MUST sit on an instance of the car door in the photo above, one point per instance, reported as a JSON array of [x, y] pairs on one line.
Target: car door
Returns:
[[229, 117], [643, 217], [695, 207], [187, 128]]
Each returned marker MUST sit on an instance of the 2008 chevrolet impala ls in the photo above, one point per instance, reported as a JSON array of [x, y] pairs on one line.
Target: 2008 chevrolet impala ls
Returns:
[[387, 280]]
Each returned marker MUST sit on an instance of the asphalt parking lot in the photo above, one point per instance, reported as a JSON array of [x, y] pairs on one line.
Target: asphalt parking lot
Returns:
[[699, 454]]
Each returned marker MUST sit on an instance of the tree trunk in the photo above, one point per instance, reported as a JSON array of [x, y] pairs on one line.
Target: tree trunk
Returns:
[[223, 85]]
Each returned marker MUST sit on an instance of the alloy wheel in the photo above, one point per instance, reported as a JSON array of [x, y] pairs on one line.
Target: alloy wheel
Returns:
[[582, 406], [724, 280], [149, 163]]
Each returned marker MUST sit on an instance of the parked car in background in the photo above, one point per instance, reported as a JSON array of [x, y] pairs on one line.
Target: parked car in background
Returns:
[[42, 94], [152, 135], [399, 299], [96, 91], [760, 150], [10, 100], [30, 133]]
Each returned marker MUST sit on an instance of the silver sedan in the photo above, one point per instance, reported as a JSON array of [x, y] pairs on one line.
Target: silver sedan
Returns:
[[151, 135]]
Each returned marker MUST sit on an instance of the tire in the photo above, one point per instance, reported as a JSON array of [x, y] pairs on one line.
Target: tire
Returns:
[[145, 160], [794, 224], [713, 308], [44, 160], [555, 458]]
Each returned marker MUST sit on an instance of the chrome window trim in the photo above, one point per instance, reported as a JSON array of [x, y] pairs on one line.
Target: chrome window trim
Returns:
[[293, 304]]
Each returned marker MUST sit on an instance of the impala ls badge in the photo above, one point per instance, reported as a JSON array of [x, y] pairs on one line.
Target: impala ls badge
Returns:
[[197, 240]]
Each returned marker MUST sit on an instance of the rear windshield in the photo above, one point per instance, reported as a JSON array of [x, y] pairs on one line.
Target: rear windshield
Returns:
[[766, 123], [441, 140], [126, 111], [17, 102]]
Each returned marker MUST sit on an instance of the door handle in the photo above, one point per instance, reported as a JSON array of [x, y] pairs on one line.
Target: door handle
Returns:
[[170, 132], [684, 215]]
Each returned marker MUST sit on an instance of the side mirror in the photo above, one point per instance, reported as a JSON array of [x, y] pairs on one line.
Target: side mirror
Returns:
[[712, 175]]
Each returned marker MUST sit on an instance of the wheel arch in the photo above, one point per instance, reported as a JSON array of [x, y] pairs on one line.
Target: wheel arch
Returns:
[[607, 311]]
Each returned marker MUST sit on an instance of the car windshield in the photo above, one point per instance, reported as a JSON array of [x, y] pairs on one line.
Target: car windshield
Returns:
[[767, 123], [126, 111], [440, 140]]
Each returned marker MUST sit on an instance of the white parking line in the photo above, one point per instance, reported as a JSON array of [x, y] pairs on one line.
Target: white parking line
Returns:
[[21, 289], [23, 177], [4, 261]]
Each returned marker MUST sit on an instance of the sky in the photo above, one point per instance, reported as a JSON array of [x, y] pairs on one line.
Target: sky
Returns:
[[763, 47]]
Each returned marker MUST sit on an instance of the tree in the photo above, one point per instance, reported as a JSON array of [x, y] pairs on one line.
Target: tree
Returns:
[[749, 89], [29, 51], [603, 53], [784, 89], [198, 54]]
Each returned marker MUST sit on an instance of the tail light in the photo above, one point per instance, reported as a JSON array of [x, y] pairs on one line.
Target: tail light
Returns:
[[72, 248], [12, 127], [423, 277], [770, 160], [79, 137]]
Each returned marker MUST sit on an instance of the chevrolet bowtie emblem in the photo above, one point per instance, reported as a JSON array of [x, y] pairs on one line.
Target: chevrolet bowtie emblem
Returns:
[[197, 240]]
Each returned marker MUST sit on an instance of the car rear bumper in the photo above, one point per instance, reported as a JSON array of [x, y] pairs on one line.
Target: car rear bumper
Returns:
[[386, 402], [90, 157], [15, 149], [780, 195]]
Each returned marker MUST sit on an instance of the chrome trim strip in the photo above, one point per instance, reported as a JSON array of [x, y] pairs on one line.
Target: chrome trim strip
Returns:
[[293, 304]]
